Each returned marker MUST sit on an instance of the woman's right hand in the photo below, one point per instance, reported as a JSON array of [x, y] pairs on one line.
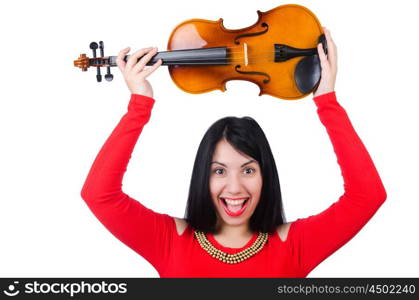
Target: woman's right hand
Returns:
[[134, 72]]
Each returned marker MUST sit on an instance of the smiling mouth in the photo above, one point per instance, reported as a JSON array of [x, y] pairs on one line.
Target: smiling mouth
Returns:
[[233, 206]]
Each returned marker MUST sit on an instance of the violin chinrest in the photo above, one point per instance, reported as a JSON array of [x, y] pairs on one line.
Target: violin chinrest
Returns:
[[308, 70], [307, 73]]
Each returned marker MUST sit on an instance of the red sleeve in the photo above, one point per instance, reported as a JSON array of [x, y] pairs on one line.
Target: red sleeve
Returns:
[[317, 237], [143, 230]]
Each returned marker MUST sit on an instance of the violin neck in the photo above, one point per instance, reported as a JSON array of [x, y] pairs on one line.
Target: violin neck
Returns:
[[188, 57]]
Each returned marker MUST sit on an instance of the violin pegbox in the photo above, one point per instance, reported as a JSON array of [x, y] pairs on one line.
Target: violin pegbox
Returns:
[[84, 62]]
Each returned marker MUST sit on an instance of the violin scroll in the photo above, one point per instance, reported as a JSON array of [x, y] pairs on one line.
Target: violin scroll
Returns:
[[84, 62]]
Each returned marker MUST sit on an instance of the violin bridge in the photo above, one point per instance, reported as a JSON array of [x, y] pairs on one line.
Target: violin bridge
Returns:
[[246, 60]]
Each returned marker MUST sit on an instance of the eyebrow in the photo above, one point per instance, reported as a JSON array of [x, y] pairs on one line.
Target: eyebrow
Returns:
[[249, 162]]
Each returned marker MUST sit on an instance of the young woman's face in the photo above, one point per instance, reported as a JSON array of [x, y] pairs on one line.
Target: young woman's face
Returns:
[[235, 184]]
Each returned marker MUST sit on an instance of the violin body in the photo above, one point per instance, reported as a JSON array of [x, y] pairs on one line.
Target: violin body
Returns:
[[278, 53], [287, 24]]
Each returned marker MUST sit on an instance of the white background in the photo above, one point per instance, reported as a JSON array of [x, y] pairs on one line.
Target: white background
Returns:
[[54, 119]]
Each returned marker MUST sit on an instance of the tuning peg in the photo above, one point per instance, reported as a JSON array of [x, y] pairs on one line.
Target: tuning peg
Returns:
[[108, 75], [101, 48], [94, 46]]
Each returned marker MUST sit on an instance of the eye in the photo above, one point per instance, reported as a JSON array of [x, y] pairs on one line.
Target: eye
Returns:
[[249, 171], [219, 171]]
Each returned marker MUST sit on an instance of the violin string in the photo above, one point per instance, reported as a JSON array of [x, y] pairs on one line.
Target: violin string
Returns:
[[270, 52], [255, 57], [250, 59], [256, 54], [235, 52], [241, 48], [229, 59], [228, 62], [236, 58]]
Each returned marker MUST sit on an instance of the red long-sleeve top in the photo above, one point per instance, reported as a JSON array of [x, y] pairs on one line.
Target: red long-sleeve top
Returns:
[[310, 240]]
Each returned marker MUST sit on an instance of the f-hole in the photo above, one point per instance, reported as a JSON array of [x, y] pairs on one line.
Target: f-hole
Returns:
[[265, 81], [236, 40]]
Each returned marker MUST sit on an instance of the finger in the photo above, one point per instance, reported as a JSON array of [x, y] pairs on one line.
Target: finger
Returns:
[[120, 58], [133, 59], [326, 31], [324, 64], [144, 60], [322, 55], [332, 51], [152, 68], [329, 39]]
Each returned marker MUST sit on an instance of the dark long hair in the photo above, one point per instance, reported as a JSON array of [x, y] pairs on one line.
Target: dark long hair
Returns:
[[246, 136]]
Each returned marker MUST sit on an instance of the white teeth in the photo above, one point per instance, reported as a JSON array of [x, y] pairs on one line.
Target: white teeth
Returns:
[[234, 202]]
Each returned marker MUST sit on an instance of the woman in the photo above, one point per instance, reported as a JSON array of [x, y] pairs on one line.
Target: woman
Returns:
[[234, 224]]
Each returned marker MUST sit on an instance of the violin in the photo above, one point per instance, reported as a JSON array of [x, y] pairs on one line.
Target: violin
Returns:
[[278, 53]]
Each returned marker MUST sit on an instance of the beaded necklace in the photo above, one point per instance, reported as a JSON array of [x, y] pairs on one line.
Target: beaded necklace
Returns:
[[232, 258]]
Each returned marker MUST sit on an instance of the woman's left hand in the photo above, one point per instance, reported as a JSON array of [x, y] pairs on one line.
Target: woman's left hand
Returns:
[[328, 64]]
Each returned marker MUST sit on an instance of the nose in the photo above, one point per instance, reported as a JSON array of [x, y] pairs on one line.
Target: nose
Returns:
[[234, 185]]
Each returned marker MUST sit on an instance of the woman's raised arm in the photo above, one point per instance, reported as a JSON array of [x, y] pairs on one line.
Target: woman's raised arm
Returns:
[[145, 231], [316, 237]]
